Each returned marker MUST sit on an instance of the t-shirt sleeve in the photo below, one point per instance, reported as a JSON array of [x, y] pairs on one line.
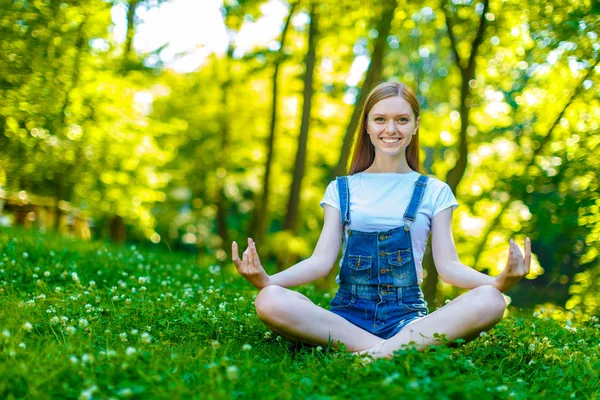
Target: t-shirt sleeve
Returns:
[[444, 199], [332, 196]]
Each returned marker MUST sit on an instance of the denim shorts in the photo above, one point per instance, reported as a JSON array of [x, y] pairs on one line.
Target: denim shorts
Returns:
[[379, 310]]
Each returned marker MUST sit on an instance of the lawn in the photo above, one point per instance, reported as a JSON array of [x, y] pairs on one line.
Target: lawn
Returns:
[[89, 320]]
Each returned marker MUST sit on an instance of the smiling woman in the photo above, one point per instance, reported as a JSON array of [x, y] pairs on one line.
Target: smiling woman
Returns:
[[382, 214]]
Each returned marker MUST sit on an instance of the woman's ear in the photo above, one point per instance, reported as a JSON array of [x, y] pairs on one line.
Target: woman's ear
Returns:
[[417, 124]]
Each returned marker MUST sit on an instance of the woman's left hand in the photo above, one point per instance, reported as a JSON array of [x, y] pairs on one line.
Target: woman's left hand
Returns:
[[517, 266]]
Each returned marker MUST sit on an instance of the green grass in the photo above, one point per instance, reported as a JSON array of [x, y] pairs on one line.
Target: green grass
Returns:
[[158, 325]]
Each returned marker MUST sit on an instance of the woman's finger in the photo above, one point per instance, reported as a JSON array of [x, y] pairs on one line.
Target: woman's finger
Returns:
[[251, 264], [255, 258], [245, 262], [235, 257], [518, 252]]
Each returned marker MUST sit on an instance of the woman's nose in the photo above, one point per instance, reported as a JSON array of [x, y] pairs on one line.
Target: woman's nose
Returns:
[[390, 127]]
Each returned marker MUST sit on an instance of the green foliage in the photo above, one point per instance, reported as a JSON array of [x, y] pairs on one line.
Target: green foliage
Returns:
[[89, 320], [104, 135]]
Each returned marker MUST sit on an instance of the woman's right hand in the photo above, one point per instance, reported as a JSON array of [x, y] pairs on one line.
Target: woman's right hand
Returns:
[[250, 267]]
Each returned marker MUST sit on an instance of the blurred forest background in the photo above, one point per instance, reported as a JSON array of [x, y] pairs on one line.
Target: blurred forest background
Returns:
[[232, 121]]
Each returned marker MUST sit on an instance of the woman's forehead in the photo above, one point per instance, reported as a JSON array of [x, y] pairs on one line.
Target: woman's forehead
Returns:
[[391, 105]]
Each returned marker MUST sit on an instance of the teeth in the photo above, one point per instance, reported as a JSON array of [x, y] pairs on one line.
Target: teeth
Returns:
[[390, 141]]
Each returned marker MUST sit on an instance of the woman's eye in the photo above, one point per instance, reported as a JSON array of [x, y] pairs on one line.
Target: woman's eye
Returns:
[[403, 119], [378, 119]]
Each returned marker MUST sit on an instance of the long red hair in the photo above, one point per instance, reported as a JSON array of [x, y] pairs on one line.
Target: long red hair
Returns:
[[364, 151]]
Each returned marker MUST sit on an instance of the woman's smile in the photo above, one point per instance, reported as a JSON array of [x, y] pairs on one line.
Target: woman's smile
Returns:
[[390, 142]]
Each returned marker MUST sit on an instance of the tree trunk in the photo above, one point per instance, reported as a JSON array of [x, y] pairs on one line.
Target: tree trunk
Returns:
[[372, 77], [118, 230], [260, 221], [300, 161], [130, 30]]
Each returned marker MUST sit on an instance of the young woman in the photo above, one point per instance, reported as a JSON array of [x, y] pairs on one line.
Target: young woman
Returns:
[[382, 214]]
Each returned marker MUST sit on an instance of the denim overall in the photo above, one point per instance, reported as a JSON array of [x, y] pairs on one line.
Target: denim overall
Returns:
[[379, 291]]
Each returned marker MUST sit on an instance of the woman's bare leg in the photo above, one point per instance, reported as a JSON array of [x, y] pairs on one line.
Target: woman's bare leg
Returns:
[[464, 317], [296, 317]]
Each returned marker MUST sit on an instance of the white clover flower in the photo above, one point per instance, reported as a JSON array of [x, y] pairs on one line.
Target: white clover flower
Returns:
[[70, 329], [130, 350], [143, 289], [25, 255], [47, 274], [54, 320], [232, 372], [215, 343], [482, 334], [391, 378], [142, 280], [22, 345], [74, 360], [115, 298], [27, 326], [57, 289], [92, 283], [146, 338], [83, 323], [247, 347], [75, 277], [64, 320], [6, 333], [87, 394], [134, 331], [531, 347], [125, 392], [123, 337], [87, 358], [128, 301], [502, 388], [319, 348], [267, 335]]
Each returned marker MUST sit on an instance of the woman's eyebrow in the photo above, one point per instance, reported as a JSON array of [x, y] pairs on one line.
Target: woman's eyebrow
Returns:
[[396, 115]]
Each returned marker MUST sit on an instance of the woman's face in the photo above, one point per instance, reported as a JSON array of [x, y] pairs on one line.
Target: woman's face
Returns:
[[391, 119]]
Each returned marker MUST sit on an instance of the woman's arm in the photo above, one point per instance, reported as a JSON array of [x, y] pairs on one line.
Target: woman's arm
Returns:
[[449, 267], [323, 258]]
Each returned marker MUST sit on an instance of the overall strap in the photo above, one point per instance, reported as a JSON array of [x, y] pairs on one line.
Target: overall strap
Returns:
[[344, 192], [413, 206]]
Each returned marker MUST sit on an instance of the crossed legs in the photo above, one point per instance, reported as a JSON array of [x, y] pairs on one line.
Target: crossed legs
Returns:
[[297, 318]]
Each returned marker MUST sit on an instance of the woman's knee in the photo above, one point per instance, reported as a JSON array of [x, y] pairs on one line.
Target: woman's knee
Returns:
[[490, 302], [268, 301]]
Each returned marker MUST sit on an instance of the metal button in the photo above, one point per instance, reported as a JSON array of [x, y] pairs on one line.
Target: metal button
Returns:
[[406, 228], [383, 253], [382, 238], [383, 270]]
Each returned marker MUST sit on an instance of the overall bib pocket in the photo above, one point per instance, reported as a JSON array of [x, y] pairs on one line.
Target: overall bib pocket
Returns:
[[399, 263], [360, 268]]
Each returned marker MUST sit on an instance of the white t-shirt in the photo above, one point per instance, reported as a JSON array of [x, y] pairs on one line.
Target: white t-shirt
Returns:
[[378, 201]]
